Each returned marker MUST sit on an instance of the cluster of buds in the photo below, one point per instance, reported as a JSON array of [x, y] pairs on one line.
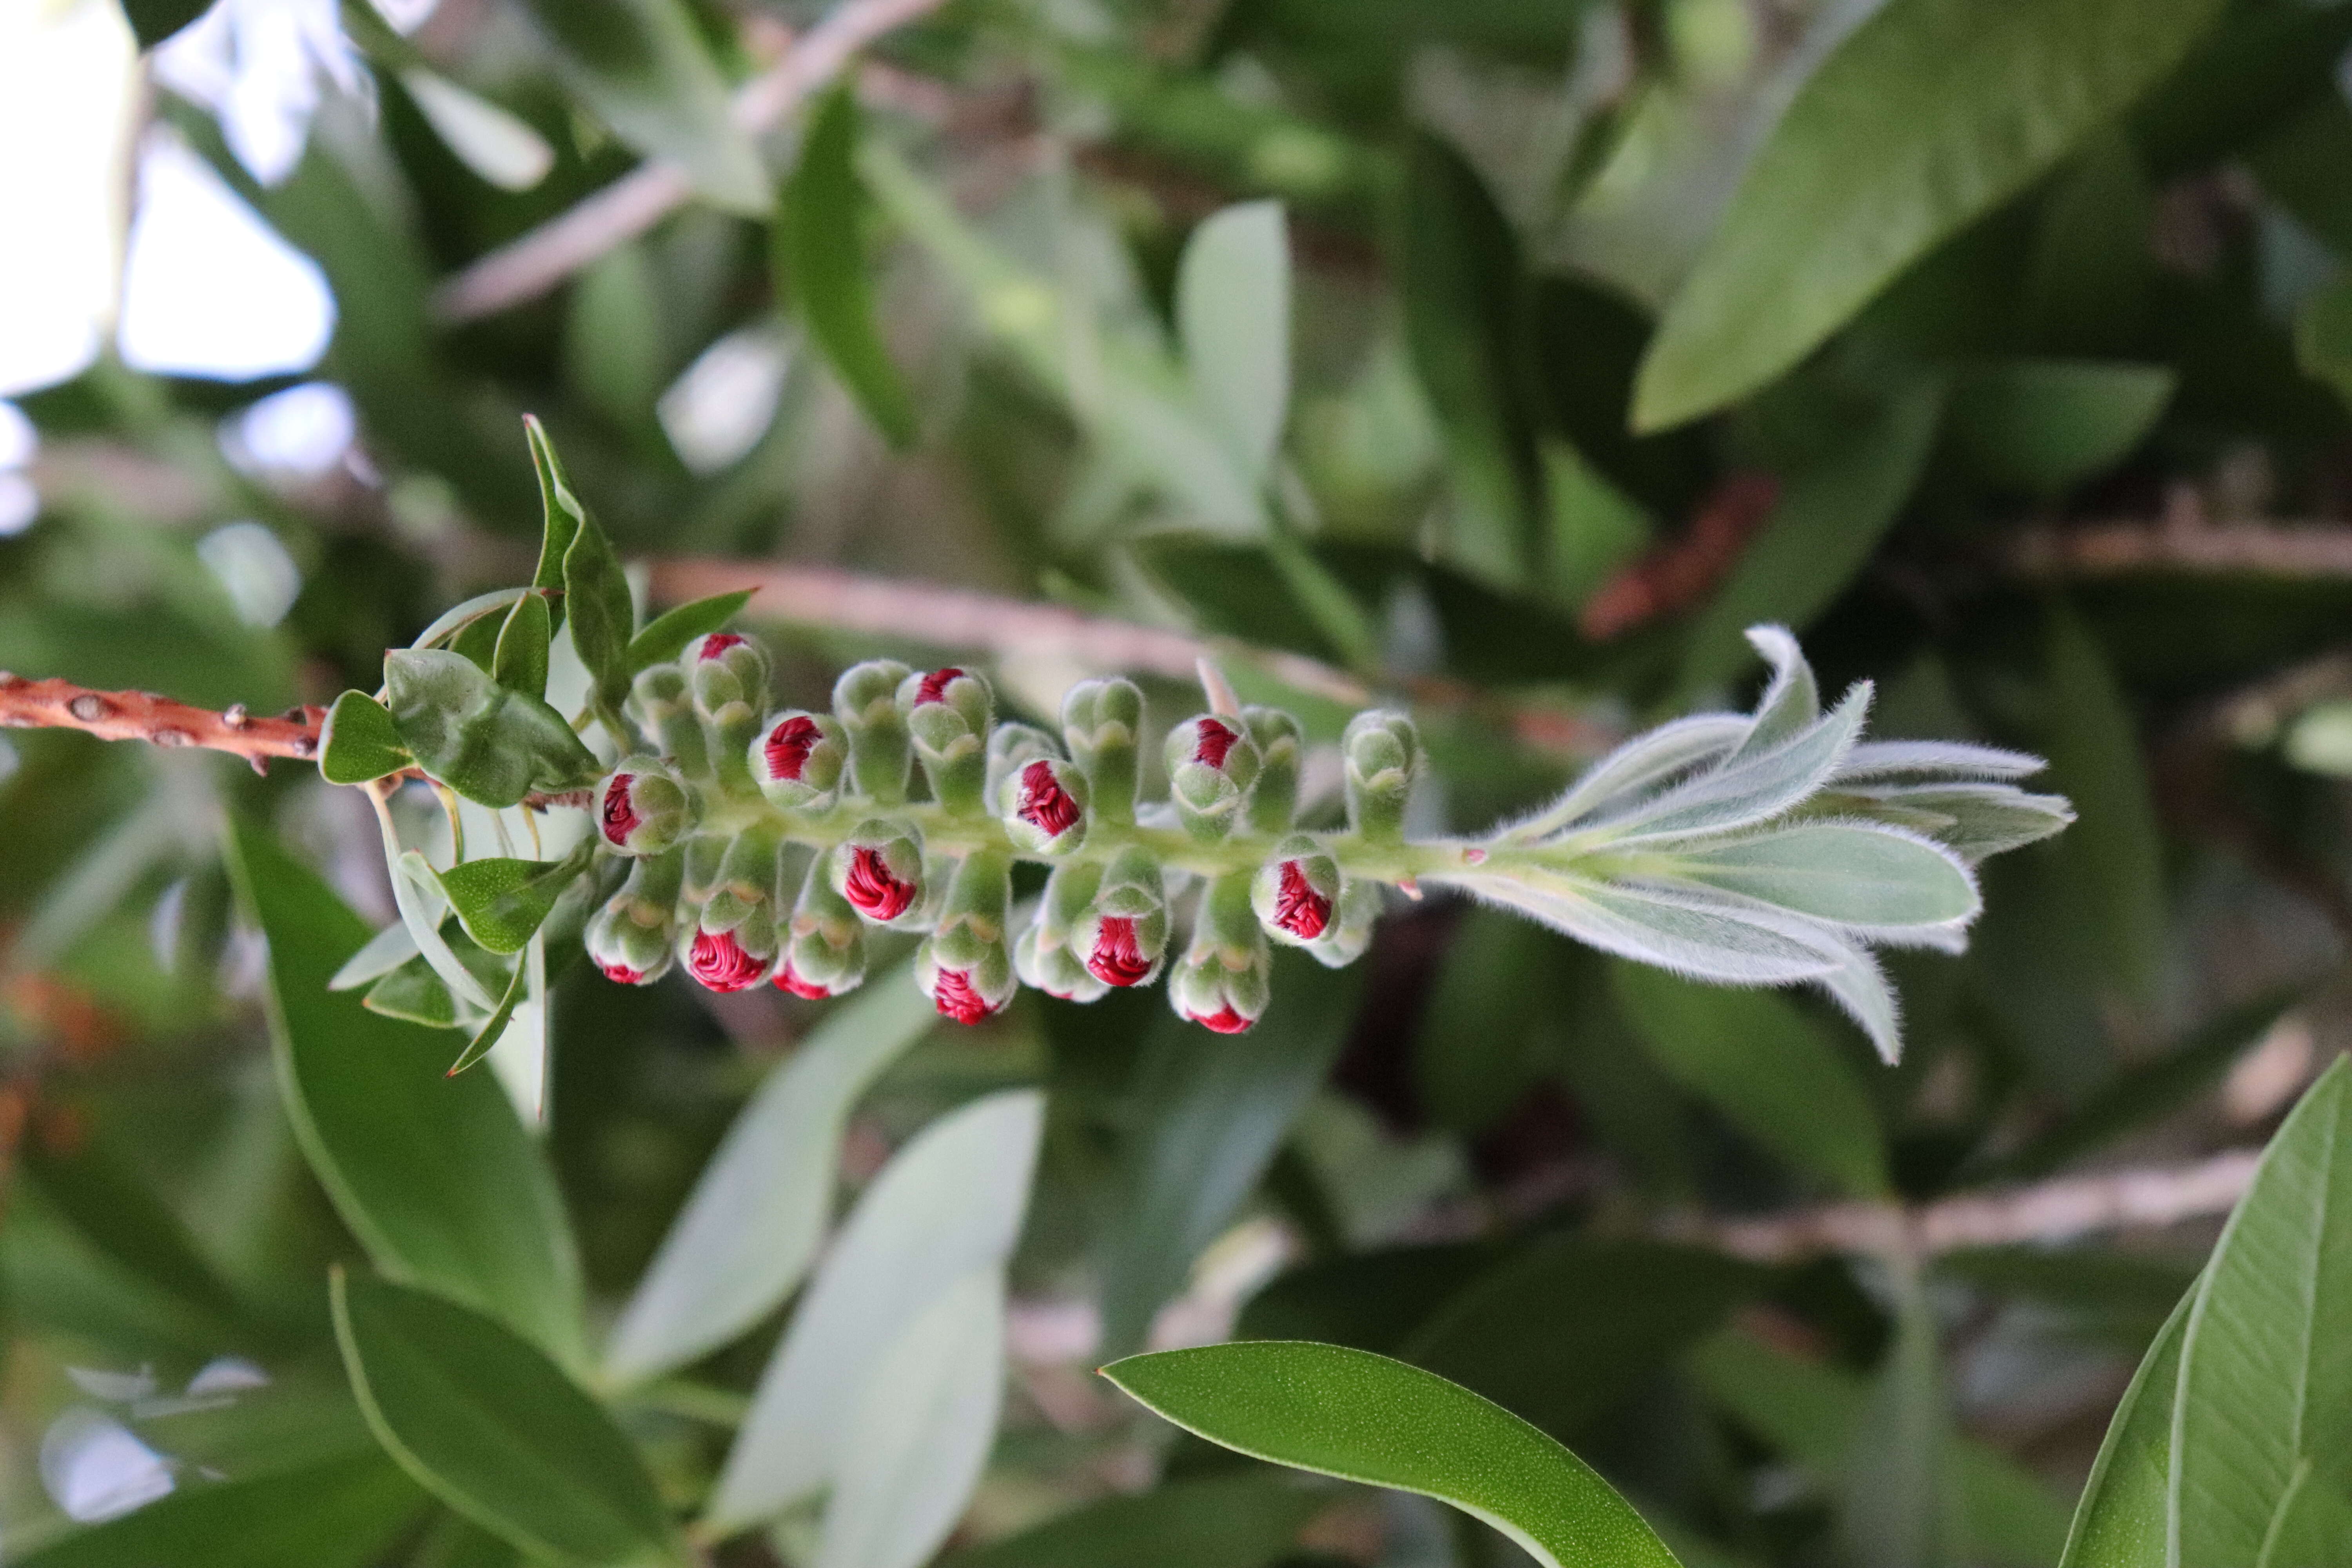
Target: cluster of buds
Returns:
[[768, 842]]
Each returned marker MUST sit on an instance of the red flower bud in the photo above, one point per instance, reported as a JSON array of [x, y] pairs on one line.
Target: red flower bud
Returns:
[[1213, 740], [935, 685], [1116, 960], [788, 981], [1224, 1020], [718, 643], [1045, 803], [789, 744], [719, 961], [1298, 907], [621, 818], [873, 890], [953, 995]]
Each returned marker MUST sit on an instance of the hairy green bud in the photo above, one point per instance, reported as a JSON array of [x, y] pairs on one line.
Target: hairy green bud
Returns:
[[1298, 891], [1381, 753], [1274, 799], [797, 759], [643, 808], [824, 951], [1100, 722], [1212, 764], [879, 870], [1223, 981], [949, 713], [865, 701]]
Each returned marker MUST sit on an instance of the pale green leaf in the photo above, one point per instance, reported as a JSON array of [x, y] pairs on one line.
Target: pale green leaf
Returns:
[[500, 147], [1232, 312], [2120, 1520], [1225, 1521], [821, 265], [2044, 425], [1855, 875]]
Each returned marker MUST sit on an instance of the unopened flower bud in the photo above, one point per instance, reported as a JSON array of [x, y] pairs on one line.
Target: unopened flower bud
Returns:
[[971, 993], [1123, 934], [824, 948], [1296, 892], [865, 701], [1044, 962], [1349, 931], [1100, 722], [631, 938], [949, 712], [1211, 767], [746, 880], [1012, 746], [1045, 807], [736, 959], [965, 965], [662, 706], [879, 870], [797, 760], [724, 669], [1274, 799], [1223, 980], [642, 808], [1381, 754]]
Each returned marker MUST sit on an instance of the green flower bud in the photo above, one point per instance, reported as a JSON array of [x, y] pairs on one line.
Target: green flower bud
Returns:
[[865, 701], [1100, 722], [971, 993], [725, 668], [642, 808], [964, 966], [1274, 799], [1382, 753], [1012, 746], [1121, 935], [879, 870], [663, 707], [747, 879], [704, 856], [797, 758], [949, 712], [1211, 767], [1046, 963], [1297, 891], [1350, 931], [1223, 980], [825, 951], [632, 937], [1044, 806]]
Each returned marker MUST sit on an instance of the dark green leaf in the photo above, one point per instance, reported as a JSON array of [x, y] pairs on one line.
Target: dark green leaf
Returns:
[[560, 515], [1766, 1067], [604, 618], [1241, 1522], [2120, 1523], [2044, 425], [117, 1214], [1370, 1300], [1363, 1417], [2323, 337], [343, 1514], [493, 1428], [359, 741], [2095, 759], [488, 744], [501, 903], [520, 660], [1496, 1024], [667, 635], [152, 21], [438, 1179], [821, 265], [641, 68], [1928, 114], [495, 1023]]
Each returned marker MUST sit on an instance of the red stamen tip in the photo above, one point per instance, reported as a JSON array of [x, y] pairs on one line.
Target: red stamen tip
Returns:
[[935, 685], [1298, 908], [620, 817], [718, 643], [788, 981], [719, 961], [952, 994], [1224, 1020], [789, 744], [870, 887], [1116, 960], [1045, 803], [1213, 740]]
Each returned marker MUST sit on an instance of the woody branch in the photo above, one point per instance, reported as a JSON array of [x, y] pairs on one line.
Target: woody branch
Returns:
[[159, 721]]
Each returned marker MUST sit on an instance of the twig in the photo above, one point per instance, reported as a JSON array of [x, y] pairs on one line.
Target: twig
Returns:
[[2314, 549], [527, 268], [143, 716], [2048, 1211]]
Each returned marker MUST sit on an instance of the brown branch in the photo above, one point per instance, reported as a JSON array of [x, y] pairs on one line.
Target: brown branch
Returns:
[[525, 269], [2183, 545], [2049, 1211], [143, 716]]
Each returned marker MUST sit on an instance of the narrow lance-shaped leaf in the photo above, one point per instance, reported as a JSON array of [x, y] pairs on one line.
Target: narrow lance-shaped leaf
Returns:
[[603, 617], [520, 660], [1364, 1417], [560, 520], [2119, 1522], [666, 636], [1232, 311], [821, 262]]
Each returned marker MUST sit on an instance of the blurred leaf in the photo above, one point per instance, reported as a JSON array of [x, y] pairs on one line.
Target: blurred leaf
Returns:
[[1766, 1067], [520, 660], [1365, 1419], [1928, 114], [1237, 1521], [2120, 1520], [560, 517], [2323, 337], [1494, 1024], [1570, 1327], [359, 741], [486, 1036], [1232, 312], [386, 951], [666, 636], [500, 147], [2263, 1422], [641, 66], [2044, 425], [502, 903], [1896, 1498], [2297, 169], [1828, 523], [821, 265], [492, 1428], [913, 1447], [345, 1513], [948, 1206], [1367, 1301], [2093, 277], [152, 21], [2095, 759], [435, 1176], [106, 1201], [758, 1213], [1210, 1113], [603, 617]]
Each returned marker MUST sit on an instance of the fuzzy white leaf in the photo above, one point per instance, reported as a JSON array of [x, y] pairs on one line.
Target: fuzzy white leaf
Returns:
[[1937, 760], [1792, 700], [1859, 987], [1647, 760], [1978, 820], [1700, 934], [759, 1211], [1853, 873], [1746, 790]]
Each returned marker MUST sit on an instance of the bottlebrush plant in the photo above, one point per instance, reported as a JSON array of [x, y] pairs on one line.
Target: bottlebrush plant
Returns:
[[756, 846]]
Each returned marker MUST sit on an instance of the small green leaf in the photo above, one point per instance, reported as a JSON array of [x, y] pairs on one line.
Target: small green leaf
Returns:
[[1763, 1064], [477, 639], [2116, 848], [2323, 337], [492, 1428], [437, 1180], [2119, 1522], [345, 1513], [488, 744], [495, 1023], [641, 66], [495, 143], [560, 515], [1927, 115], [1840, 871], [667, 635], [413, 994], [2261, 1420], [604, 618], [1232, 312], [359, 741], [501, 903], [821, 265], [1363, 1417], [2044, 425], [1230, 1522], [520, 661]]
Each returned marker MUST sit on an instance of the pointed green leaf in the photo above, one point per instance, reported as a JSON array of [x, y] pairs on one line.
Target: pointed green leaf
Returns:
[[346, 1514], [495, 1023], [561, 513], [1232, 312], [520, 660], [436, 1178], [821, 265], [1840, 871], [414, 994], [1929, 114], [2119, 1522], [359, 741], [502, 903], [2042, 426], [489, 1424], [604, 618], [667, 635], [1363, 1417], [2115, 846]]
